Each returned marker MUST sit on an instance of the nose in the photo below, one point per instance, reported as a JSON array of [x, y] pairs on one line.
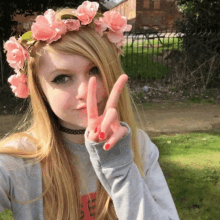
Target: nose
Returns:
[[82, 90]]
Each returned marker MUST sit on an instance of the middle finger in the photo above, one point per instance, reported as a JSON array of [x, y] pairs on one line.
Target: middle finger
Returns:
[[115, 93]]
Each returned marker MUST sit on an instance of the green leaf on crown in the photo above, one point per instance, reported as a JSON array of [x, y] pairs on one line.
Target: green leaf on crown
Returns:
[[68, 16], [92, 25], [26, 36], [99, 15]]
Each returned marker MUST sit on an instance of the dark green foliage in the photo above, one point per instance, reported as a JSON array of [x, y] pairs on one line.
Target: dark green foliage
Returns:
[[202, 36]]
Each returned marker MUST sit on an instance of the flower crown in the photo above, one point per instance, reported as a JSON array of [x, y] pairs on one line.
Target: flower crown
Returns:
[[48, 28]]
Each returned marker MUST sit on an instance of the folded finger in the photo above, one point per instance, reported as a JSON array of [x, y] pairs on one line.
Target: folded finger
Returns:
[[110, 123], [118, 135], [94, 133]]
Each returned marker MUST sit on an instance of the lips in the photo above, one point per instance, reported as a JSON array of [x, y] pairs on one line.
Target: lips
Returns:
[[81, 107], [84, 107], [83, 110]]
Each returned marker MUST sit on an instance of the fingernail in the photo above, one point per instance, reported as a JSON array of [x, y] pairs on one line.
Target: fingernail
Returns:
[[95, 130], [107, 146], [102, 135]]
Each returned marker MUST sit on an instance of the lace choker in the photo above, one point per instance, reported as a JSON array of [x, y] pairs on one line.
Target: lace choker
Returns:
[[70, 131]]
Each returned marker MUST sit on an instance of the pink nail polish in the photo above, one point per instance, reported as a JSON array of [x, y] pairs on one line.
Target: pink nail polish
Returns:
[[95, 130], [102, 135], [107, 146]]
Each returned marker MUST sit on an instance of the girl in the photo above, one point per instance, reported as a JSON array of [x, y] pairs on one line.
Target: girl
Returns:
[[81, 155]]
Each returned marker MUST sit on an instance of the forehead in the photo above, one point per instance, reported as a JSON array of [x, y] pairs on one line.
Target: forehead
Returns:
[[51, 61]]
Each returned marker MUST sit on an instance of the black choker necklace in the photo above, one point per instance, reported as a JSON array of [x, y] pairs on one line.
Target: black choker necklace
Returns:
[[70, 131]]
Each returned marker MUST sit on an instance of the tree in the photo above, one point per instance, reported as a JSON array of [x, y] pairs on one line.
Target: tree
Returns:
[[201, 29]]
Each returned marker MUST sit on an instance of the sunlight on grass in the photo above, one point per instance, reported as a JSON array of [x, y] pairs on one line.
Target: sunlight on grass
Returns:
[[137, 59], [6, 215], [176, 44], [198, 160]]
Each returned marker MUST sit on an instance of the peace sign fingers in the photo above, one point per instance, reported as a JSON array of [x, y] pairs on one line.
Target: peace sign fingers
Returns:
[[108, 122], [115, 93]]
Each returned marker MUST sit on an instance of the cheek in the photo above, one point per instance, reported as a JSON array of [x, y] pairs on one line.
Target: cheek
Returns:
[[58, 99], [101, 91]]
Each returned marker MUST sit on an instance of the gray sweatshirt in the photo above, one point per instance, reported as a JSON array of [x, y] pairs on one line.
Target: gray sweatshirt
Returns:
[[134, 197]]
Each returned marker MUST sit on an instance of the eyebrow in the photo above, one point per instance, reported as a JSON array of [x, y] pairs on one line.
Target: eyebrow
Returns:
[[67, 70]]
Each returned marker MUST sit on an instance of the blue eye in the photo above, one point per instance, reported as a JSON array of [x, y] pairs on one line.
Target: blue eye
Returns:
[[58, 79], [61, 78]]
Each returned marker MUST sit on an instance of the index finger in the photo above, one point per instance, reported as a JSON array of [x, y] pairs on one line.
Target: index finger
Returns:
[[115, 93], [92, 109]]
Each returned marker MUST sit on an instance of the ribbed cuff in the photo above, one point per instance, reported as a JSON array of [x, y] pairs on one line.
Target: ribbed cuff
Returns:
[[120, 154]]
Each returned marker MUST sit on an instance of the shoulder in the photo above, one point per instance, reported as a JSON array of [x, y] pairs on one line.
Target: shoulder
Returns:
[[9, 161], [145, 142], [21, 143]]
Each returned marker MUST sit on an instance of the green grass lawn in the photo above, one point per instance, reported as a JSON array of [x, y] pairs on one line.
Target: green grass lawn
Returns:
[[6, 215], [137, 63], [191, 165]]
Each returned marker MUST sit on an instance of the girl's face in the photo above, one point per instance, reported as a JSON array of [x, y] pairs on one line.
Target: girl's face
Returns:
[[64, 79]]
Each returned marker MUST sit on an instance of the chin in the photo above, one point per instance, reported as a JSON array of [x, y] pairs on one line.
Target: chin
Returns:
[[74, 124]]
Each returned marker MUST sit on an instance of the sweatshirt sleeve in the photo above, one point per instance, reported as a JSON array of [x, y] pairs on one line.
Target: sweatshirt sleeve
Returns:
[[4, 185], [134, 197]]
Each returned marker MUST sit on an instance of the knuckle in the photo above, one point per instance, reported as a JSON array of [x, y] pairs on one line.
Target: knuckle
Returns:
[[113, 110]]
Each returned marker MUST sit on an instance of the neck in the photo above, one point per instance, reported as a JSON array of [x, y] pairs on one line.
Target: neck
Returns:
[[71, 131], [73, 135]]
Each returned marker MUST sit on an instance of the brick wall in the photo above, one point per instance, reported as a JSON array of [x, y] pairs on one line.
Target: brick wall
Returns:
[[153, 14]]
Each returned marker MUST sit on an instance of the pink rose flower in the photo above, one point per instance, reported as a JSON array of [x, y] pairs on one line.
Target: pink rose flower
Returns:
[[16, 53], [60, 29], [117, 24], [50, 15], [46, 28], [72, 24], [115, 37], [100, 26], [41, 29], [19, 85], [86, 12]]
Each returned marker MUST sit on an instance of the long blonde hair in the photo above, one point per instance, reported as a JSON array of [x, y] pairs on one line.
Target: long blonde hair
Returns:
[[61, 197]]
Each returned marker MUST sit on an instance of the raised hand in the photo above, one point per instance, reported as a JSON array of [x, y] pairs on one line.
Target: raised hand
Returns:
[[106, 123]]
